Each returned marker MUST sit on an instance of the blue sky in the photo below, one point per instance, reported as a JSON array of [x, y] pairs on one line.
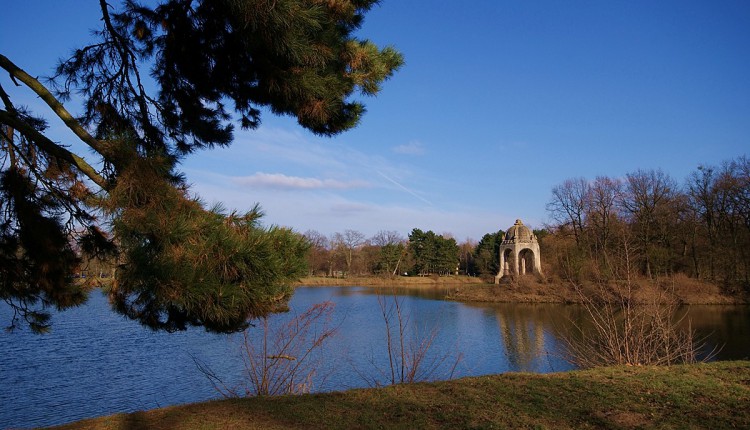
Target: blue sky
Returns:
[[498, 102]]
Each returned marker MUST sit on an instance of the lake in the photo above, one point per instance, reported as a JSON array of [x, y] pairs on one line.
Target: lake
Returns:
[[96, 362]]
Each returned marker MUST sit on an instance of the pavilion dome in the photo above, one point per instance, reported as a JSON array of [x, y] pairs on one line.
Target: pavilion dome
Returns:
[[519, 233]]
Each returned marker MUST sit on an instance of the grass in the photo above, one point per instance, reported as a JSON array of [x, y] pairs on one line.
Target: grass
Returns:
[[530, 289], [397, 281], [700, 396]]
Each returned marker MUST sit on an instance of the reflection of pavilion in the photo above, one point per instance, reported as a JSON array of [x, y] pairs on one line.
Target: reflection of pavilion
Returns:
[[519, 252], [523, 336]]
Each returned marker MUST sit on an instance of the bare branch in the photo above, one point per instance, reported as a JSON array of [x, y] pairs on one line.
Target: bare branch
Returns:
[[52, 148]]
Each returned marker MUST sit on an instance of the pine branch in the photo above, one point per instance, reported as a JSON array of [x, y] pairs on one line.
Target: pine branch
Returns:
[[57, 107], [44, 143]]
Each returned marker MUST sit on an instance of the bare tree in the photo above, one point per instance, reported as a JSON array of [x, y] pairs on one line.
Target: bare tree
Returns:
[[466, 256], [568, 204], [733, 216], [368, 258], [601, 210], [701, 190], [387, 237], [701, 229], [741, 168], [318, 257], [647, 198], [347, 243]]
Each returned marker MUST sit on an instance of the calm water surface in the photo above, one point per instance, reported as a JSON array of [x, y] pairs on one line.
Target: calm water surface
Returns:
[[95, 362]]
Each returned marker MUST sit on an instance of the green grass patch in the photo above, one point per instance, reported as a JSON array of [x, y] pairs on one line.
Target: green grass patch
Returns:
[[700, 396], [387, 281]]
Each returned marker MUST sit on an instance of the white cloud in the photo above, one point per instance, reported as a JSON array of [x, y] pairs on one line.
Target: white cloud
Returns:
[[329, 212], [317, 179], [303, 163], [412, 148], [280, 181]]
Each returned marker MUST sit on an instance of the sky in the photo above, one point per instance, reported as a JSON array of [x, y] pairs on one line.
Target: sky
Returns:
[[498, 102]]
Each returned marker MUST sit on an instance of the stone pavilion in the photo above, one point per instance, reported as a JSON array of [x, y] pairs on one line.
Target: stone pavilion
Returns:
[[519, 252]]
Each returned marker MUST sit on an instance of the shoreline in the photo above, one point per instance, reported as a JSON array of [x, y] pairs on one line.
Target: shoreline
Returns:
[[683, 291], [399, 281]]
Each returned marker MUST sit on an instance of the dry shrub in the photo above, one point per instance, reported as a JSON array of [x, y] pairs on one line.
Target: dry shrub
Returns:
[[286, 358], [631, 332], [630, 326], [410, 352]]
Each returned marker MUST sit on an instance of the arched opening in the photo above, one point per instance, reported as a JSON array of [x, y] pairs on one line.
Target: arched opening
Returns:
[[507, 262], [526, 262]]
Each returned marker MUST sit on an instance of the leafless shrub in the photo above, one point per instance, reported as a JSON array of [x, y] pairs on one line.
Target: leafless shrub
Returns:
[[285, 359], [410, 352], [625, 327]]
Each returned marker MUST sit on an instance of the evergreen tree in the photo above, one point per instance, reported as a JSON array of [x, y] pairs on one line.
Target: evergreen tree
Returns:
[[179, 263], [432, 253], [446, 261], [487, 254]]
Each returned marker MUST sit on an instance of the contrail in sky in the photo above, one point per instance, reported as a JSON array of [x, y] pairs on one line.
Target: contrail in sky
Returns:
[[404, 188]]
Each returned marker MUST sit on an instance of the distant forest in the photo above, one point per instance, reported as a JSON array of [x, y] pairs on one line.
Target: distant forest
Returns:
[[645, 222]]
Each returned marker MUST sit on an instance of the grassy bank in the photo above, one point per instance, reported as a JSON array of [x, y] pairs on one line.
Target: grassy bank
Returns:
[[398, 281], [533, 290], [681, 290], [706, 396]]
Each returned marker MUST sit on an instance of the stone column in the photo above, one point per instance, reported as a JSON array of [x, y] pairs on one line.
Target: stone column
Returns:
[[537, 261]]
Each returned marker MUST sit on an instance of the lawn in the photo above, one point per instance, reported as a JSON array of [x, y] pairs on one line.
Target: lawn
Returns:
[[701, 396]]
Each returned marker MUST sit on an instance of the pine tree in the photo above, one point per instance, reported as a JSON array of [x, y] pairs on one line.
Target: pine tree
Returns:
[[180, 264], [487, 254]]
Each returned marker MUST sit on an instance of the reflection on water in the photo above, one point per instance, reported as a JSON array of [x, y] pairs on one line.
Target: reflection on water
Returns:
[[723, 328], [436, 293], [523, 335], [96, 362]]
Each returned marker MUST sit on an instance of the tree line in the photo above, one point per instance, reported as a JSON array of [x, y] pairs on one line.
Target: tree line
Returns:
[[387, 253], [699, 228]]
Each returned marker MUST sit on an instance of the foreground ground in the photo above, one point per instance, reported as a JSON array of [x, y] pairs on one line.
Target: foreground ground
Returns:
[[529, 289], [702, 396]]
